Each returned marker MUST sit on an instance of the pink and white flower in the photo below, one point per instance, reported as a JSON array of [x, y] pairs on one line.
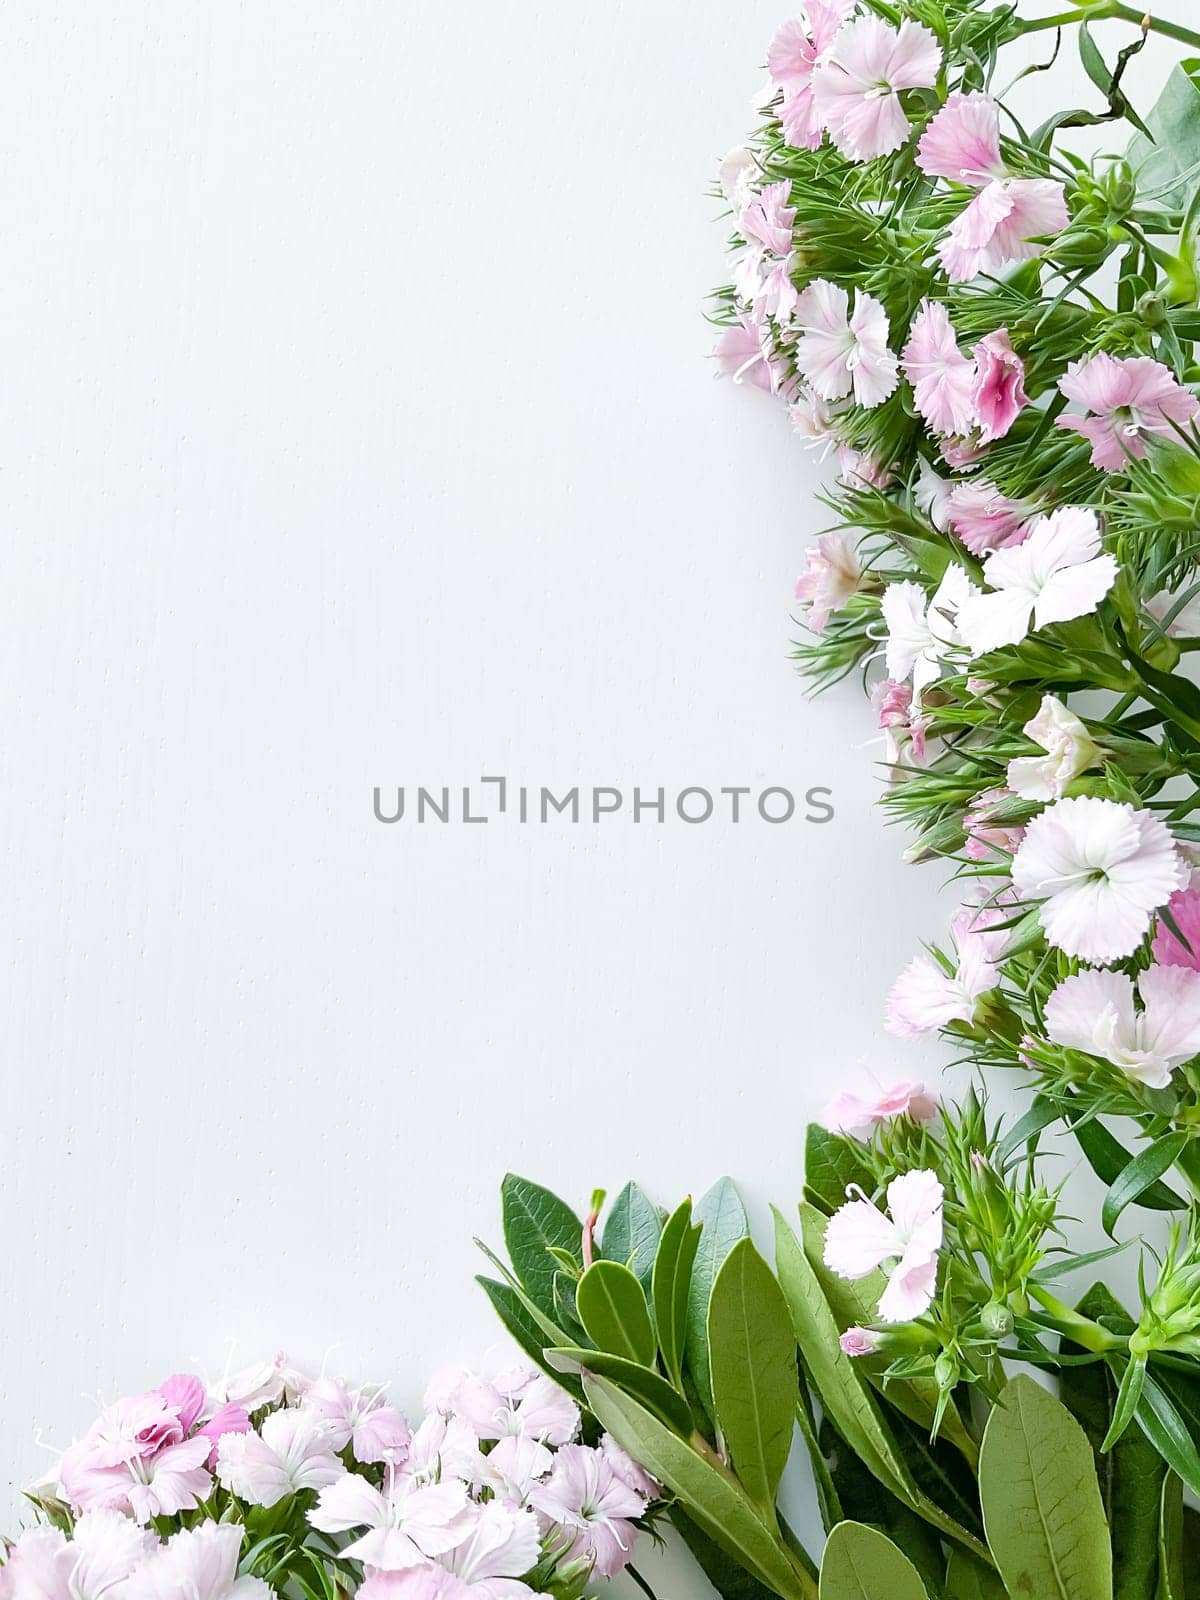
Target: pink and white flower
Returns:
[[999, 395], [585, 1496], [904, 725], [499, 1543], [1128, 401], [926, 996], [360, 1418], [1101, 870], [293, 1450], [842, 352], [746, 354], [763, 270], [856, 85], [104, 1549], [859, 1342], [199, 1563], [984, 519], [541, 1410], [739, 176], [831, 575], [856, 1118], [1058, 572], [794, 52], [989, 836], [860, 1239], [404, 1523], [1069, 751], [943, 380], [1094, 1012], [1183, 612], [962, 144], [931, 493]]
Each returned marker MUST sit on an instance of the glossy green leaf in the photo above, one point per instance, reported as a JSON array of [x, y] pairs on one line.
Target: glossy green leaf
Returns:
[[536, 1221], [710, 1495], [722, 1216], [525, 1330], [860, 1563], [1041, 1500], [726, 1574], [611, 1304], [752, 1348], [631, 1233], [646, 1387], [1108, 1158], [1140, 1175], [670, 1286], [968, 1579], [1163, 1417], [831, 1165]]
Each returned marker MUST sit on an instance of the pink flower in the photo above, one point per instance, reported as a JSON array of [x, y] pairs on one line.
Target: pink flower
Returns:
[[293, 1450], [762, 275], [1184, 613], [739, 175], [498, 1544], [856, 1118], [962, 142], [585, 1496], [988, 837], [103, 1550], [856, 86], [813, 421], [831, 575], [1184, 910], [999, 393], [229, 1419], [961, 455], [540, 1410], [840, 352], [1101, 870], [187, 1396], [1130, 399], [745, 352], [1094, 1011], [1069, 751], [405, 1522], [791, 59], [942, 378], [627, 1469], [424, 1583], [859, 1342], [925, 996], [1000, 225], [984, 519], [860, 1238], [903, 726], [376, 1430], [175, 1480], [859, 469]]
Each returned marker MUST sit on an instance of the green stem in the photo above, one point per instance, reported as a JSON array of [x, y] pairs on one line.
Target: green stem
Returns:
[[1115, 11], [1081, 1330]]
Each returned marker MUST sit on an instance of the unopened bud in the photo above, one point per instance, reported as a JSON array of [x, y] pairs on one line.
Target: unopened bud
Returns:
[[945, 1371], [997, 1320]]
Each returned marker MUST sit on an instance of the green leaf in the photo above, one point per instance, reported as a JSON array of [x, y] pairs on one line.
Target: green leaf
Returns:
[[535, 1222], [524, 1329], [722, 1216], [1174, 120], [612, 1306], [858, 1496], [711, 1496], [1161, 1420], [831, 1165], [1170, 1544], [862, 1564], [646, 1387], [726, 1574], [968, 1579], [631, 1233], [1108, 1158], [670, 1285], [845, 1396], [1141, 1174], [755, 1380], [1041, 1501], [1093, 61]]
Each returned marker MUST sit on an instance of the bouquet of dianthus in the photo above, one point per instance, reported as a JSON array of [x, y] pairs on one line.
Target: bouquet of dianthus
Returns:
[[995, 336], [269, 1483]]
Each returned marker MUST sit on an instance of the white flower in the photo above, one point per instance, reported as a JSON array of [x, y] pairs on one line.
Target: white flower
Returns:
[[1069, 751], [932, 495], [739, 176], [1094, 1012], [293, 1451], [920, 634], [860, 1238], [197, 1564], [1101, 870], [104, 1548], [842, 351], [404, 1523], [499, 1543], [1057, 573], [925, 996], [1184, 614]]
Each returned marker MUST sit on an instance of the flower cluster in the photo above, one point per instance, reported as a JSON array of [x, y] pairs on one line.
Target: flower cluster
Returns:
[[252, 1484]]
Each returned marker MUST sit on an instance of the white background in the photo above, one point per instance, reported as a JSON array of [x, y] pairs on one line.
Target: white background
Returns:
[[356, 428]]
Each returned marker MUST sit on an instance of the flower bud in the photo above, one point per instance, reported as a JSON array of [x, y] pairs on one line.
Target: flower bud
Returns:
[[997, 1320], [1119, 187], [1082, 246], [945, 1371], [1151, 309]]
